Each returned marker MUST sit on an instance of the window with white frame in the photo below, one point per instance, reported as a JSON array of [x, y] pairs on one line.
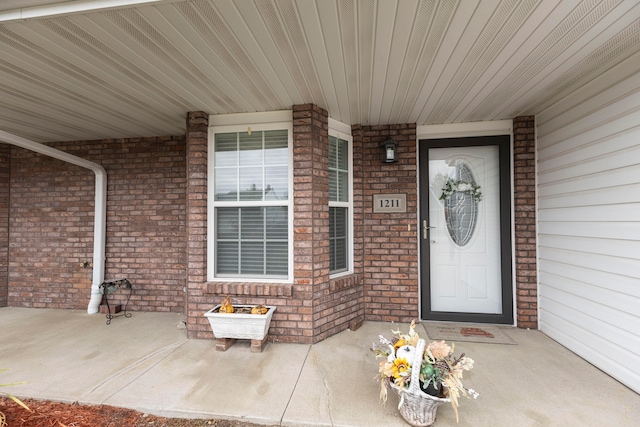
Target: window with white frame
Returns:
[[340, 205], [251, 203]]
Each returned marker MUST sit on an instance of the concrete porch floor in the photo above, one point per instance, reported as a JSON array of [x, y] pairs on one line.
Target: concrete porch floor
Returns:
[[146, 363]]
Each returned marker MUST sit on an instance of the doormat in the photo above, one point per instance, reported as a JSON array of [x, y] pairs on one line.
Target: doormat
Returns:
[[470, 332]]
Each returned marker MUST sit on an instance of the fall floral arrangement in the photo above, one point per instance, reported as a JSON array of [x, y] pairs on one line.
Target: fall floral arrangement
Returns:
[[440, 371]]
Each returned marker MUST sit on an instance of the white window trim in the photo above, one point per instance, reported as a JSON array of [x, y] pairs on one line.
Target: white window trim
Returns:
[[273, 120], [343, 131]]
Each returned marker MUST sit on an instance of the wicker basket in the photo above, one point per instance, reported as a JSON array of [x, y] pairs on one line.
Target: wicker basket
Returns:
[[417, 407]]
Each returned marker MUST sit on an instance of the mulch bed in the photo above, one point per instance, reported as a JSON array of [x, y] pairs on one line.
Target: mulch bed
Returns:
[[55, 414]]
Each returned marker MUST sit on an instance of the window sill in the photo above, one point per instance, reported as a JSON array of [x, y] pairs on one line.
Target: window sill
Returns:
[[261, 289], [252, 289], [344, 282]]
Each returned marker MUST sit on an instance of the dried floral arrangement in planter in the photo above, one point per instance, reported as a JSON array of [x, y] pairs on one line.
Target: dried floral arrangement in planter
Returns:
[[438, 373], [227, 307], [230, 322]]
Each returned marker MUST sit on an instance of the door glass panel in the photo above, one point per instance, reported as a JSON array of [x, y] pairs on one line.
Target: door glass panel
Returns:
[[460, 196]]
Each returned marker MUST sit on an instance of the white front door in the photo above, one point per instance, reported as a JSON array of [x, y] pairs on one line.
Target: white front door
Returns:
[[463, 238], [465, 233]]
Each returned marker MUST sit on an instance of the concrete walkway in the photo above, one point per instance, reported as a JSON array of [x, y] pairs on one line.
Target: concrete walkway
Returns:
[[147, 363]]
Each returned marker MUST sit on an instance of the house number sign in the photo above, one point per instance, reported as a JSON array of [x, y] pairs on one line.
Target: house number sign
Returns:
[[383, 203]]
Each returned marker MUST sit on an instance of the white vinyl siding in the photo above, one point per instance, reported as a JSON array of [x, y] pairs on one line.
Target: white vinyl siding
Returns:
[[588, 174]]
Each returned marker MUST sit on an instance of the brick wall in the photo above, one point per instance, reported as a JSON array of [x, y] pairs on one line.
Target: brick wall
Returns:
[[525, 221], [390, 242], [292, 321], [197, 302], [51, 223], [5, 156], [314, 306], [51, 232], [334, 303], [311, 216], [157, 219]]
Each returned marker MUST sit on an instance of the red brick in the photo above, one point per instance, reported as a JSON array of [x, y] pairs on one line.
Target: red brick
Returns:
[[524, 209], [52, 214]]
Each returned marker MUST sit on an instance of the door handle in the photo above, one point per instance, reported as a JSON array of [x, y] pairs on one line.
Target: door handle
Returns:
[[425, 229]]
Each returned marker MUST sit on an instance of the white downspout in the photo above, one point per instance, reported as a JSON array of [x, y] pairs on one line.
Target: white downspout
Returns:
[[100, 216]]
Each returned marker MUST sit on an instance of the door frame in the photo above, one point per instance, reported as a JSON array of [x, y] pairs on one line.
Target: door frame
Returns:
[[467, 135]]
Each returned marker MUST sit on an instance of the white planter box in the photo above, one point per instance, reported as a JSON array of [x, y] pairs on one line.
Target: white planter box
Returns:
[[240, 325]]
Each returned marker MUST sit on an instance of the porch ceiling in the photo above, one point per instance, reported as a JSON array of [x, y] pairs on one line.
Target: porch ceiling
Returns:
[[91, 70]]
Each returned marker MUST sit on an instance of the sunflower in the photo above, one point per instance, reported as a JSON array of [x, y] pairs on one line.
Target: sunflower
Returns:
[[400, 367]]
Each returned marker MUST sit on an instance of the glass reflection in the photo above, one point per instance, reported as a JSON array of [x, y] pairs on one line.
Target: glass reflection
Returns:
[[251, 167]]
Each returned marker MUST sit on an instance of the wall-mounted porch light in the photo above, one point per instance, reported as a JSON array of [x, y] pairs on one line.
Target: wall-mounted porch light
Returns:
[[389, 151]]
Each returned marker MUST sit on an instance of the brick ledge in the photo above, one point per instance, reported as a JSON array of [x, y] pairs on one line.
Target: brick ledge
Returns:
[[249, 289], [344, 282], [272, 289]]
